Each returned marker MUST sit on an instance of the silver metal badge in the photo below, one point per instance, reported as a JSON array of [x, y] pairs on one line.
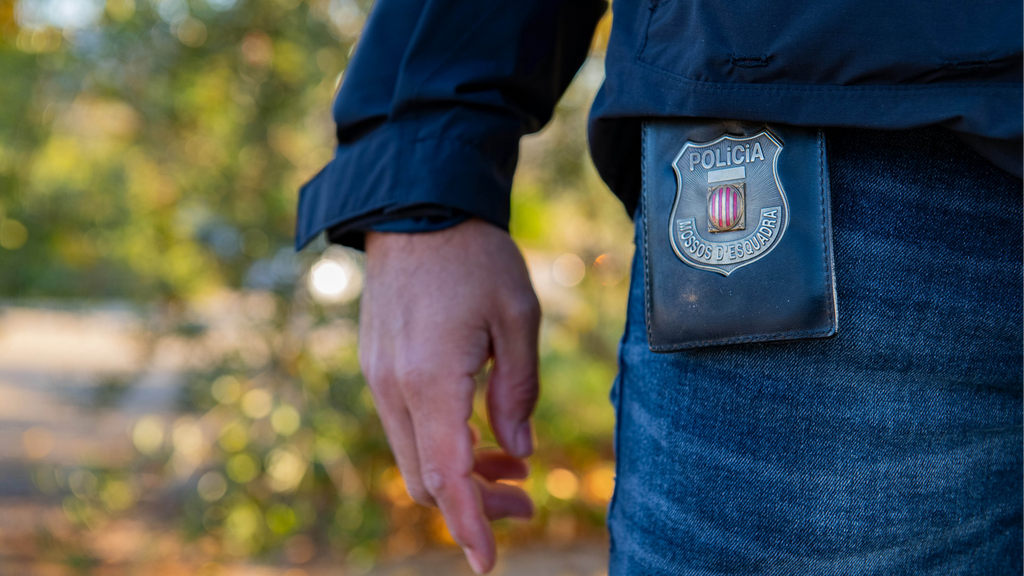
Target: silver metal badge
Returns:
[[730, 209]]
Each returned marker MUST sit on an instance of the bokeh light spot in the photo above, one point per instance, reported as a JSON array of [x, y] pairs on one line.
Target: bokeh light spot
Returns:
[[187, 438], [233, 436], [83, 483], [608, 269], [148, 434], [71, 14], [281, 519], [13, 234], [121, 10], [226, 389], [300, 549], [221, 5], [192, 33], [257, 403], [37, 442], [242, 525], [286, 467], [285, 420], [242, 468], [212, 486], [258, 48], [599, 485], [117, 495], [561, 483], [335, 278], [329, 278], [568, 270]]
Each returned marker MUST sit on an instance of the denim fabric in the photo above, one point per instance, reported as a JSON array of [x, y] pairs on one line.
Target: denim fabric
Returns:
[[893, 448]]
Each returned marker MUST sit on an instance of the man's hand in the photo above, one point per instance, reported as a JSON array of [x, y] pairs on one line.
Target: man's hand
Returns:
[[436, 307]]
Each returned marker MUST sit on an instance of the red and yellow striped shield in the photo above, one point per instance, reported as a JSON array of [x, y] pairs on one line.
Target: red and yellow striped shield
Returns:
[[726, 207]]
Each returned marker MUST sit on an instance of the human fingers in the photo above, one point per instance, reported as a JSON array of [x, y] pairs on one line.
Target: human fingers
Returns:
[[503, 500], [401, 437], [513, 389], [498, 465], [376, 358], [440, 407]]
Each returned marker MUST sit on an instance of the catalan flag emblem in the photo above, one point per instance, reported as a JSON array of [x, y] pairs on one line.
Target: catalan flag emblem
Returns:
[[726, 203]]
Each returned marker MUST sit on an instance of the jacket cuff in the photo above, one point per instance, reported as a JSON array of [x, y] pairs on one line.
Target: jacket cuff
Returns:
[[414, 220], [404, 165]]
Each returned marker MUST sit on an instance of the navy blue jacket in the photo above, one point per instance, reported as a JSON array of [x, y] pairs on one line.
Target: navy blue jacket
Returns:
[[438, 93]]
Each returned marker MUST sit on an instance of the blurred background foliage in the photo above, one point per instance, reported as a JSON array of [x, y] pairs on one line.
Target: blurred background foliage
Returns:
[[150, 155]]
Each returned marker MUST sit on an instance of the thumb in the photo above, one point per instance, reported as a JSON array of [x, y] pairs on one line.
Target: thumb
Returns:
[[513, 389]]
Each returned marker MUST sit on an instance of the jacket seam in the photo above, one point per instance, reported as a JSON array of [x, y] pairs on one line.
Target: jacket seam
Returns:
[[417, 91], [647, 29], [465, 143], [839, 90]]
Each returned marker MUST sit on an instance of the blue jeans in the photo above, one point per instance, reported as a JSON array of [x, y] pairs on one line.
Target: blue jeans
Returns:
[[894, 447]]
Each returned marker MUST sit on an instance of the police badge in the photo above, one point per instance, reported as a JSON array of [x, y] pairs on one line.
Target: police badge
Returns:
[[748, 255], [718, 184]]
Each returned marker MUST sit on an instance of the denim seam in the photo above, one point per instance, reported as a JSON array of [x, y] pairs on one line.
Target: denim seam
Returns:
[[618, 387], [617, 440]]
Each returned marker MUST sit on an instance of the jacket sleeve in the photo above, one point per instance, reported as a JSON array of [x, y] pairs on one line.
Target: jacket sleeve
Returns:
[[431, 109]]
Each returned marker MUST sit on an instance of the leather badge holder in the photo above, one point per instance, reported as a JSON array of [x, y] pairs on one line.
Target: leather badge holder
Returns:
[[737, 236]]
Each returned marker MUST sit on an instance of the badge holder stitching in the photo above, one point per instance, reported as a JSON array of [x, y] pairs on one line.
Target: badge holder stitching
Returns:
[[826, 231], [778, 336], [647, 230], [774, 337]]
